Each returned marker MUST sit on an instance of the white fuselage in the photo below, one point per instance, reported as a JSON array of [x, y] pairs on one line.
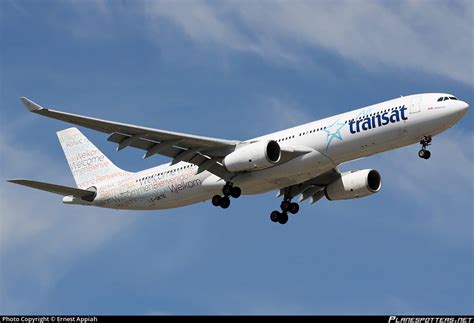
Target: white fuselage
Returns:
[[334, 140]]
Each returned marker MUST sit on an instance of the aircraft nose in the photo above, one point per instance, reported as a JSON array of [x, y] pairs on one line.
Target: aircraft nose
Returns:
[[461, 109], [464, 106]]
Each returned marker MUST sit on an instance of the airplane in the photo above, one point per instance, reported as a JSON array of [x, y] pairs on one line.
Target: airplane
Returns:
[[299, 161]]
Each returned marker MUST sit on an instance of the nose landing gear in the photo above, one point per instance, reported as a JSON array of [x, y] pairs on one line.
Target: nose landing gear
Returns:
[[227, 190], [425, 142]]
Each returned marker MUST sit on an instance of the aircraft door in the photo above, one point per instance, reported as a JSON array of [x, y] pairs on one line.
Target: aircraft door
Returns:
[[415, 105]]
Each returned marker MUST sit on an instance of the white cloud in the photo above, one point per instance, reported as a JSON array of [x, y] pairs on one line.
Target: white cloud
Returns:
[[434, 37], [211, 26]]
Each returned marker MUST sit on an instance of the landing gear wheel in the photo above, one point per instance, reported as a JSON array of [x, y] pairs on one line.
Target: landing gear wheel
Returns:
[[294, 208], [235, 192], [422, 153], [285, 205], [224, 202], [274, 216], [216, 200], [425, 154], [283, 218], [227, 189]]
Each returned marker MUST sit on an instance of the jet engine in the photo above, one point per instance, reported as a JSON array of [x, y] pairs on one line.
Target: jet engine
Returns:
[[254, 156], [354, 184]]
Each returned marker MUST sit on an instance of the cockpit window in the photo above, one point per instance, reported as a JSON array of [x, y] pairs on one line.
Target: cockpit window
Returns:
[[446, 98]]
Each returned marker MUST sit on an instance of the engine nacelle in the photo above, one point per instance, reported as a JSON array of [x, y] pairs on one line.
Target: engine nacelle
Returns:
[[354, 184], [255, 156]]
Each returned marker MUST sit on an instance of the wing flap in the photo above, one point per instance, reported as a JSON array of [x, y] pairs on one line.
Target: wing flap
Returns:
[[141, 143], [56, 189], [194, 155]]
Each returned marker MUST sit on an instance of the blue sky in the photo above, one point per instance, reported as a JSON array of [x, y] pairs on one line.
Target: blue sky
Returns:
[[235, 70]]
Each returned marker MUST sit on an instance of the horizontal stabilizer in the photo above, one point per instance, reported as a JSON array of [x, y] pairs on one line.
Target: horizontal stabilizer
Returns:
[[87, 195]]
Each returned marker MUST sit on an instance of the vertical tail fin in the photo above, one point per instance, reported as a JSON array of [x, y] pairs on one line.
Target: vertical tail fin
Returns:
[[88, 164]]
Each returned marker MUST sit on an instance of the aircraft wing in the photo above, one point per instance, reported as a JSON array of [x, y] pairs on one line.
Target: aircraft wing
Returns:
[[312, 188], [56, 189], [205, 152]]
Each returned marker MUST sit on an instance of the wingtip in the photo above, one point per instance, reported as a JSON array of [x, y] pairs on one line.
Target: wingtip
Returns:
[[30, 105]]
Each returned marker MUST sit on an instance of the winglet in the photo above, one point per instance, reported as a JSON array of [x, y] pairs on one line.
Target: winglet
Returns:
[[30, 105]]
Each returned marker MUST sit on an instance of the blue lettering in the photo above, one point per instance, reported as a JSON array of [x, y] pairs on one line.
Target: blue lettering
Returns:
[[373, 122], [402, 110], [357, 124], [385, 119], [382, 119], [394, 118], [366, 124], [379, 122], [351, 129]]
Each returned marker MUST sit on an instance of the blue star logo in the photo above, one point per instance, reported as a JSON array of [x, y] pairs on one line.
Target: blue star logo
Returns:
[[334, 131]]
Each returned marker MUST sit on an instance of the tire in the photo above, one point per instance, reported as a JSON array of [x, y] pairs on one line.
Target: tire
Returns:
[[422, 153], [283, 218], [274, 216], [227, 189], [427, 154], [216, 200], [285, 205], [235, 192], [294, 208], [225, 202]]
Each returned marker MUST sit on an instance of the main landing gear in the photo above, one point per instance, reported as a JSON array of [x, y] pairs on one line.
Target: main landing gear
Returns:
[[286, 206], [227, 190], [425, 142]]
